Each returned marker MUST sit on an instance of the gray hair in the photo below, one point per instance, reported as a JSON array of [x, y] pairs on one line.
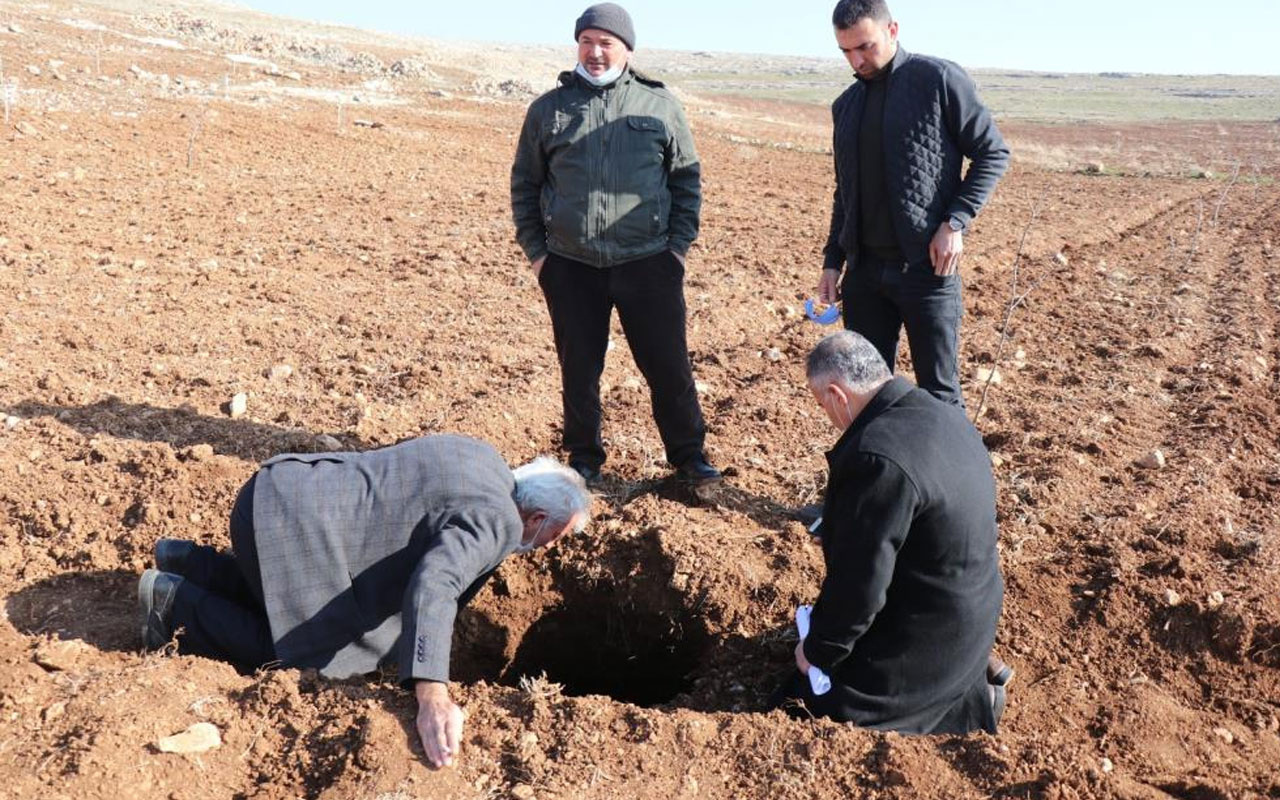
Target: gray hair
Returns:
[[849, 358], [545, 484]]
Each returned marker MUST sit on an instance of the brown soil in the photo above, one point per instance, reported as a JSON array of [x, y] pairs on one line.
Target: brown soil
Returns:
[[163, 247]]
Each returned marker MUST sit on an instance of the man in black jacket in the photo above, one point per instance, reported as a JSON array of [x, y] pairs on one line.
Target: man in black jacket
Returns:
[[901, 134], [906, 617], [346, 561]]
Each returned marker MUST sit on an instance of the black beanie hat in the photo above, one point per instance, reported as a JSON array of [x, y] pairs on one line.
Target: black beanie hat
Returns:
[[609, 17]]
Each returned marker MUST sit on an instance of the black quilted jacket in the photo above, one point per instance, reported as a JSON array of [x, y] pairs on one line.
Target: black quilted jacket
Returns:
[[933, 120]]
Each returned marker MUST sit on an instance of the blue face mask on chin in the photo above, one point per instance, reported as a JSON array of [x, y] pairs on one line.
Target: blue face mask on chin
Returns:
[[602, 80]]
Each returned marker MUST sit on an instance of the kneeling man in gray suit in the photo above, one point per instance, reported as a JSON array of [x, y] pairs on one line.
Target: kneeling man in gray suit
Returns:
[[343, 561]]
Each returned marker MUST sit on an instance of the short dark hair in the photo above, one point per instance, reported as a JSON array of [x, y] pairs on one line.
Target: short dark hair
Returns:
[[849, 358], [848, 12]]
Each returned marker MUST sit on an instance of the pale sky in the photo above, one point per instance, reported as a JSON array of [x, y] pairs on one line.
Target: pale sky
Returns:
[[1161, 36]]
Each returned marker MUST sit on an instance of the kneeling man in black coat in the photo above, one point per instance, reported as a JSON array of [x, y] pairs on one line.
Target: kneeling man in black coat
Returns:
[[907, 614], [346, 561]]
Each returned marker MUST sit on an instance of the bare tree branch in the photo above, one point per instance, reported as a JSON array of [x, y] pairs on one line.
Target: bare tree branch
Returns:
[[1015, 300]]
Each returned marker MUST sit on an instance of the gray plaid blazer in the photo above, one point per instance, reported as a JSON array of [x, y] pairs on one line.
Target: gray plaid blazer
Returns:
[[369, 555]]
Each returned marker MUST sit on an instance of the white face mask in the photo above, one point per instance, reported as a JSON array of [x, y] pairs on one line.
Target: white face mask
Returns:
[[603, 80], [525, 547]]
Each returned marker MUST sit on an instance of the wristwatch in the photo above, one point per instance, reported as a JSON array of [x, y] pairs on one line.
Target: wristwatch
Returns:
[[955, 224]]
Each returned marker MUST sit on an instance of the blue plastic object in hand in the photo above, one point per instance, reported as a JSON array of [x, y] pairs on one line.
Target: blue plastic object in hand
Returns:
[[826, 317]]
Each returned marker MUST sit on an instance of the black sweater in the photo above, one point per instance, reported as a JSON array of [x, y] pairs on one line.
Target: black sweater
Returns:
[[933, 120]]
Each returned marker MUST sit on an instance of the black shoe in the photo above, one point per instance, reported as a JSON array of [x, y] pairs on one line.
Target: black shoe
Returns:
[[807, 514], [590, 474], [171, 555], [156, 593], [698, 473]]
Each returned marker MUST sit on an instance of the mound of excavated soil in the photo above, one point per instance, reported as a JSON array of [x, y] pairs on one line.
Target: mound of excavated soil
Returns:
[[170, 243]]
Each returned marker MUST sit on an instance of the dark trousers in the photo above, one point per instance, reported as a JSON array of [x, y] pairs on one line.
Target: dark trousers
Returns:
[[649, 296], [880, 297], [219, 606], [975, 711]]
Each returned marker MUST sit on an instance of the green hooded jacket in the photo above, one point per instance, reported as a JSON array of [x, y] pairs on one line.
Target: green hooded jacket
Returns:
[[606, 175]]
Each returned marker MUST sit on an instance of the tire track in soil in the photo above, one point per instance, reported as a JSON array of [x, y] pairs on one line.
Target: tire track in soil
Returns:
[[1094, 570]]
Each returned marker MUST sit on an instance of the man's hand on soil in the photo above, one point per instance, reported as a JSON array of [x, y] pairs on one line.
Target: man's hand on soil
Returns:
[[945, 250], [439, 723]]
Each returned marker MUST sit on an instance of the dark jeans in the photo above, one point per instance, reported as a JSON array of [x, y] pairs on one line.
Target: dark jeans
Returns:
[[219, 606], [880, 297], [974, 711], [649, 295]]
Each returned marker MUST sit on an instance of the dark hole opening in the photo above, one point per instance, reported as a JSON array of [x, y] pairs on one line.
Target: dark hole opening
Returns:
[[632, 655]]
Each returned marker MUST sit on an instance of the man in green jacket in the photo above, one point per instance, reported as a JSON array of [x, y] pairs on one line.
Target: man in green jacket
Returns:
[[606, 192]]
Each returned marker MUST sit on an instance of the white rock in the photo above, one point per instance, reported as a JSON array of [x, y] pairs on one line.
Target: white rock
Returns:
[[1060, 259], [1216, 600], [239, 405], [199, 738], [33, 69], [1153, 460], [26, 129], [700, 387], [1171, 597], [1107, 766], [997, 460], [327, 442], [773, 354], [280, 372], [1224, 734], [984, 374], [11, 422]]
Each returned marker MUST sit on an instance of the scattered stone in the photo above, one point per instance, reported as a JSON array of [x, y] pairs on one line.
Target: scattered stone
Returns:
[[985, 374], [26, 129], [1172, 598], [11, 422], [365, 123], [1216, 600], [1094, 168], [277, 73], [280, 372], [33, 69], [700, 387], [199, 738], [53, 712], [199, 452], [1153, 460], [328, 443], [78, 174], [60, 655], [773, 354], [1060, 259], [13, 28], [1107, 766], [239, 405], [1225, 735], [139, 263], [632, 383], [523, 791], [997, 460]]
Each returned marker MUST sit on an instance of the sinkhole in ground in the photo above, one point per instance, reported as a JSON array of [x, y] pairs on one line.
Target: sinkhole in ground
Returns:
[[593, 645]]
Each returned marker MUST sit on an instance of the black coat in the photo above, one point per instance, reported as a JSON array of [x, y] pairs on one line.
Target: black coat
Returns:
[[908, 609], [933, 121]]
